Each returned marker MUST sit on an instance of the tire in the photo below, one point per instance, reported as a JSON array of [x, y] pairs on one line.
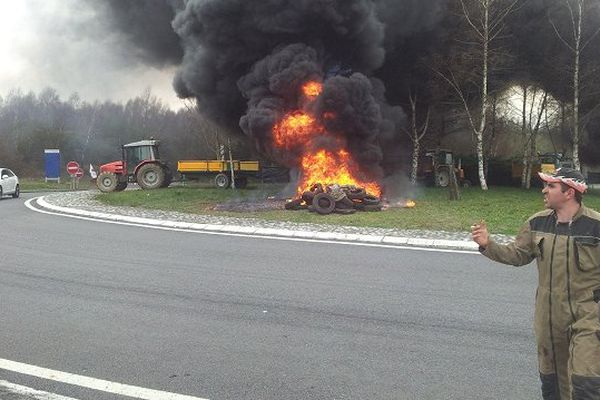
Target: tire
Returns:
[[344, 211], [222, 181], [121, 186], [345, 202], [356, 194], [241, 183], [443, 178], [324, 203], [370, 200], [107, 182], [150, 176], [308, 197], [1, 194], [17, 192], [372, 207]]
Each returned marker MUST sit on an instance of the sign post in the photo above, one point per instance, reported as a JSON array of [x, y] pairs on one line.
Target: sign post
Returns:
[[72, 168], [78, 176]]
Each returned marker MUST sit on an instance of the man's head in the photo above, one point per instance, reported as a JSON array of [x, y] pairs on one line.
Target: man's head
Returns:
[[564, 186]]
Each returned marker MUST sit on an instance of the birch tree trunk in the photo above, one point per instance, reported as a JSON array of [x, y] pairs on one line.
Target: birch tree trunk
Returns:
[[484, 95], [525, 137], [576, 45], [577, 55], [416, 134]]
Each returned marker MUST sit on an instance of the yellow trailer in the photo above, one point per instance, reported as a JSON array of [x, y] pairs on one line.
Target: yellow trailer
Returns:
[[220, 170]]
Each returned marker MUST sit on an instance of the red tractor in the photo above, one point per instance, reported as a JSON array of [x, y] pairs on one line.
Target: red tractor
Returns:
[[140, 163]]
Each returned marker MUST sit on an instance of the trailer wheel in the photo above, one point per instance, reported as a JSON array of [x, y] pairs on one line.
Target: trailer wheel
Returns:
[[150, 176], [107, 182], [324, 203], [222, 181]]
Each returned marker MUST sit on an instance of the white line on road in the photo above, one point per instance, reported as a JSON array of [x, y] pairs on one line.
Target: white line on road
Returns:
[[30, 393], [291, 239], [92, 383]]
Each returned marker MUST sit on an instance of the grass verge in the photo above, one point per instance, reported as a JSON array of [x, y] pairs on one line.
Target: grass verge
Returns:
[[505, 209], [40, 185]]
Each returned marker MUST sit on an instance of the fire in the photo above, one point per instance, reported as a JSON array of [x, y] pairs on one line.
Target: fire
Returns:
[[312, 89], [295, 129], [326, 167], [299, 129], [410, 204]]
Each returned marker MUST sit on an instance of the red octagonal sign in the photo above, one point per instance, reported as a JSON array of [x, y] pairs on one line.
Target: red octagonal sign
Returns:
[[72, 167]]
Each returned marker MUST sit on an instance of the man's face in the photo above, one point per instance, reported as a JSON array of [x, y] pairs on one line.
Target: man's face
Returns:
[[554, 197]]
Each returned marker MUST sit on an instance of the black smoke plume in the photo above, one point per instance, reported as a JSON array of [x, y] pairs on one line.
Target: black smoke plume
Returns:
[[147, 26], [243, 60]]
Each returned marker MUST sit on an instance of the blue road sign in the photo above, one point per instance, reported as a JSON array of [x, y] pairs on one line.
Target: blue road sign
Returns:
[[52, 164]]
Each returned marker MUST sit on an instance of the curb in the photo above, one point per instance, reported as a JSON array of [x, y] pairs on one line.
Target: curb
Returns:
[[442, 244]]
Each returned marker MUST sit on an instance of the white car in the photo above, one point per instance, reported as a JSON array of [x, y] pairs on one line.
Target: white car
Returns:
[[9, 183]]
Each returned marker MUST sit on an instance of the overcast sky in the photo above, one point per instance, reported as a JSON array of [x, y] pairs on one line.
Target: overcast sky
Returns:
[[65, 45]]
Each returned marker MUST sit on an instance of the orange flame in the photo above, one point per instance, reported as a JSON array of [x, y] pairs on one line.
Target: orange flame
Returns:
[[298, 129], [327, 168], [312, 89], [295, 129], [410, 204]]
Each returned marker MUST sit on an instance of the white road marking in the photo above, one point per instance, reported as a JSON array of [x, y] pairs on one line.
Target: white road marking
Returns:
[[291, 239], [92, 383], [29, 392]]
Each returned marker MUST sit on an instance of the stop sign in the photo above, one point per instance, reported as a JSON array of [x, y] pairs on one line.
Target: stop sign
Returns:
[[79, 173], [72, 167]]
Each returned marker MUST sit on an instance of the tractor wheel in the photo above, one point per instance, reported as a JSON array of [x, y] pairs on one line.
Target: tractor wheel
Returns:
[[324, 203], [443, 177], [121, 186], [222, 181], [107, 182], [150, 176]]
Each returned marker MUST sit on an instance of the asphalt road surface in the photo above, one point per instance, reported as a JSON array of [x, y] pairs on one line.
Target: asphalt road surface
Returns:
[[225, 317]]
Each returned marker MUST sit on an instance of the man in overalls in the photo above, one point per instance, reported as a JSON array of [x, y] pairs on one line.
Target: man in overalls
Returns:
[[565, 241]]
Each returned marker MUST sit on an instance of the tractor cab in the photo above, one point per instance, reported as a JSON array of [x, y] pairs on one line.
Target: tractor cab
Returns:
[[137, 152]]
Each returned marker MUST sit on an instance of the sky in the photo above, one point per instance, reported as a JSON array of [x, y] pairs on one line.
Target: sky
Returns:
[[63, 44]]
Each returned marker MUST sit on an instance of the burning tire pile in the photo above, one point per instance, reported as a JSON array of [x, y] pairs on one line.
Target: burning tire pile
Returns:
[[337, 199]]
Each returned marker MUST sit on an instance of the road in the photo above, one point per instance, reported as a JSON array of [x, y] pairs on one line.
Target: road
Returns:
[[224, 317]]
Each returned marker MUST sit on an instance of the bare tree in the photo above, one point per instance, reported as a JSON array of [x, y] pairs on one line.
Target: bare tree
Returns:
[[485, 20], [416, 133], [212, 136], [577, 42]]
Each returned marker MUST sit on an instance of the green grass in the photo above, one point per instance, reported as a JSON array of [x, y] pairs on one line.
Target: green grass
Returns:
[[505, 209], [40, 185]]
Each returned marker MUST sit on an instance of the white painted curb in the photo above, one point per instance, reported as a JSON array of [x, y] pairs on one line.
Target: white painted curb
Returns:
[[270, 232]]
